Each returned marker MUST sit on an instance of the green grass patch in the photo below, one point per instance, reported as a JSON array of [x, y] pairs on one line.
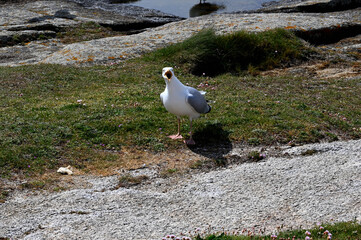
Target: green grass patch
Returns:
[[84, 32], [340, 231], [211, 54], [53, 115], [3, 195]]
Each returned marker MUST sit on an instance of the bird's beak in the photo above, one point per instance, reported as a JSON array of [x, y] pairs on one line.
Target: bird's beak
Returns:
[[169, 75]]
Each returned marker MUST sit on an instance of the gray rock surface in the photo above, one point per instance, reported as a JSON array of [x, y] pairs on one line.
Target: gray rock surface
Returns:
[[309, 5], [49, 15], [30, 21], [307, 184], [120, 48], [294, 189], [127, 10]]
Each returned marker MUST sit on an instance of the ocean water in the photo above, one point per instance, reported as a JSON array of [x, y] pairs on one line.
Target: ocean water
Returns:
[[181, 8], [193, 8]]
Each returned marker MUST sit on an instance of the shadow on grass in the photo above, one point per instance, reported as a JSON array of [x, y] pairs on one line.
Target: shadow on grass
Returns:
[[212, 141]]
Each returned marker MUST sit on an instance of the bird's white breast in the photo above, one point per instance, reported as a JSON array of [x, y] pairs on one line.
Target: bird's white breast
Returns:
[[175, 103]]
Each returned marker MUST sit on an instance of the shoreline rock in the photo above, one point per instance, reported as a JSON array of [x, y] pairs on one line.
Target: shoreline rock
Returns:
[[55, 15], [117, 49], [311, 6], [287, 190], [43, 19], [290, 190]]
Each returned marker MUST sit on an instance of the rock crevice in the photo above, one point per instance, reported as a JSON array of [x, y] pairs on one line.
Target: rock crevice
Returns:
[[330, 34]]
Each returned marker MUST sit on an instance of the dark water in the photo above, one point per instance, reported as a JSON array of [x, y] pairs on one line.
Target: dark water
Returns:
[[181, 8], [192, 8]]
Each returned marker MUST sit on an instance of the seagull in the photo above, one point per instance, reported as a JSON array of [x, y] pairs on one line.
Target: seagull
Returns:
[[182, 100]]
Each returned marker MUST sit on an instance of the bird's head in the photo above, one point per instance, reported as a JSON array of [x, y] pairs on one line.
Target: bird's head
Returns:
[[167, 73]]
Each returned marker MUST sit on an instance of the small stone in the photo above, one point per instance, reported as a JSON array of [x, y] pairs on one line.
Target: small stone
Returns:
[[65, 170]]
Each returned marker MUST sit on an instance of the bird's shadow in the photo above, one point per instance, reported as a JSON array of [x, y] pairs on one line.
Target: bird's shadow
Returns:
[[212, 141]]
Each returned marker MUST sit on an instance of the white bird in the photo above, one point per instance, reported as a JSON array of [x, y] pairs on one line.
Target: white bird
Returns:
[[182, 101]]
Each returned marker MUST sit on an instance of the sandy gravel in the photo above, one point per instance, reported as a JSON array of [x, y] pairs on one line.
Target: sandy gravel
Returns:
[[294, 189]]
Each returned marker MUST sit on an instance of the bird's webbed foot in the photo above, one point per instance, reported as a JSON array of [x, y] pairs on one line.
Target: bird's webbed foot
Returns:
[[176, 136]]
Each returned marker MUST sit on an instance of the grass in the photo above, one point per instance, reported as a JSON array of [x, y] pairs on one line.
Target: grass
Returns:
[[214, 54], [3, 195], [53, 115], [84, 32], [339, 231], [128, 180]]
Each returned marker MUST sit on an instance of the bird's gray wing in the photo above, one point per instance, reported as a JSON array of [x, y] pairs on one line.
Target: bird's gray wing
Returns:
[[197, 101]]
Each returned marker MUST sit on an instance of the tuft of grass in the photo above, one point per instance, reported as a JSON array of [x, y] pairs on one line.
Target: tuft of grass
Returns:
[[129, 181], [197, 164], [36, 184], [309, 152], [169, 172], [3, 195], [59, 189], [256, 156], [212, 54]]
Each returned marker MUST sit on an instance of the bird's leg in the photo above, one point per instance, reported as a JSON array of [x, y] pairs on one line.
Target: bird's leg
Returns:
[[178, 135], [190, 141]]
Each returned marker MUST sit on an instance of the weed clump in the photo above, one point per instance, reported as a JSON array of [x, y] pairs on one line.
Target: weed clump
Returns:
[[341, 230], [207, 52], [256, 156], [129, 181]]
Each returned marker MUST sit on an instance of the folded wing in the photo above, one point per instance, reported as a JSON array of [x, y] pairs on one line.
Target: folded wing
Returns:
[[196, 100]]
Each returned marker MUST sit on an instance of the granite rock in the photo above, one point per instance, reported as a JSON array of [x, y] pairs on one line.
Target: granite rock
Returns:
[[16, 19], [45, 18], [310, 5], [117, 49], [290, 190]]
